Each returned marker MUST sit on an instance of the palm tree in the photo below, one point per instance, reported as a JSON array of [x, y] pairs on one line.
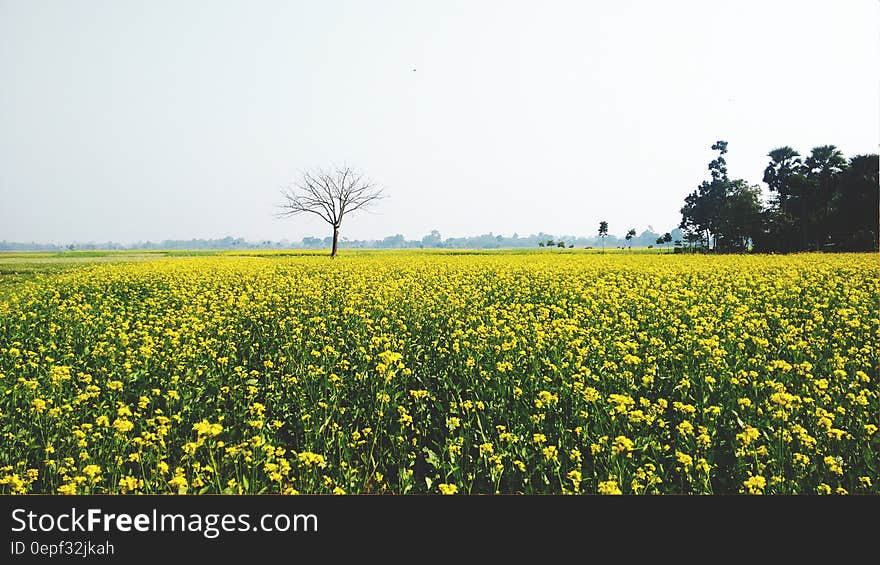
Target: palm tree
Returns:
[[629, 235], [784, 162], [824, 166]]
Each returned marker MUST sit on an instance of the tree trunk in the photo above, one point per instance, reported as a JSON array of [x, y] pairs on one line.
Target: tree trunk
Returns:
[[335, 241], [803, 222]]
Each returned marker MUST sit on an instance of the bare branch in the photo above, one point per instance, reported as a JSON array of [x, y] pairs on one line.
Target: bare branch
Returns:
[[296, 204], [330, 195], [317, 186], [364, 201]]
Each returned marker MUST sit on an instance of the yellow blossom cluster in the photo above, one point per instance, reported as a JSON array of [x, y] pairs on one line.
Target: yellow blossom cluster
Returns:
[[427, 372]]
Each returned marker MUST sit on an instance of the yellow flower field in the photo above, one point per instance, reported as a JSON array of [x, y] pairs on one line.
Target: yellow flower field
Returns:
[[421, 372]]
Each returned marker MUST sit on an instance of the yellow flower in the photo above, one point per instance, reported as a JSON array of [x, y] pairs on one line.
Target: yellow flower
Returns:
[[551, 453], [623, 446], [685, 429], [123, 425], [685, 460], [129, 483], [590, 394], [748, 435], [834, 464], [446, 488], [67, 488], [311, 459], [609, 487], [92, 471], [205, 428], [575, 478], [179, 482], [546, 398], [703, 466], [620, 402], [755, 484]]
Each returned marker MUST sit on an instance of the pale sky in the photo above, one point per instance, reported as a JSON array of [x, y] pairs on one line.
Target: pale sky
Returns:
[[130, 120]]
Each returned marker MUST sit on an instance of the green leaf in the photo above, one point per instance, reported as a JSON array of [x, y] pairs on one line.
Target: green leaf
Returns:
[[431, 459]]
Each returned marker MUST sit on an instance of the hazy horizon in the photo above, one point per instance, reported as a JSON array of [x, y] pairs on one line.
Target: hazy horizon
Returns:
[[344, 238], [347, 241], [127, 122]]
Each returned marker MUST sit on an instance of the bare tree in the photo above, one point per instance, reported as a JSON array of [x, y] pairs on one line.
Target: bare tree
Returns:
[[330, 195]]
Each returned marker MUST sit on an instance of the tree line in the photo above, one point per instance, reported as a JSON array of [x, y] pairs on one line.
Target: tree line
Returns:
[[397, 241], [823, 202]]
